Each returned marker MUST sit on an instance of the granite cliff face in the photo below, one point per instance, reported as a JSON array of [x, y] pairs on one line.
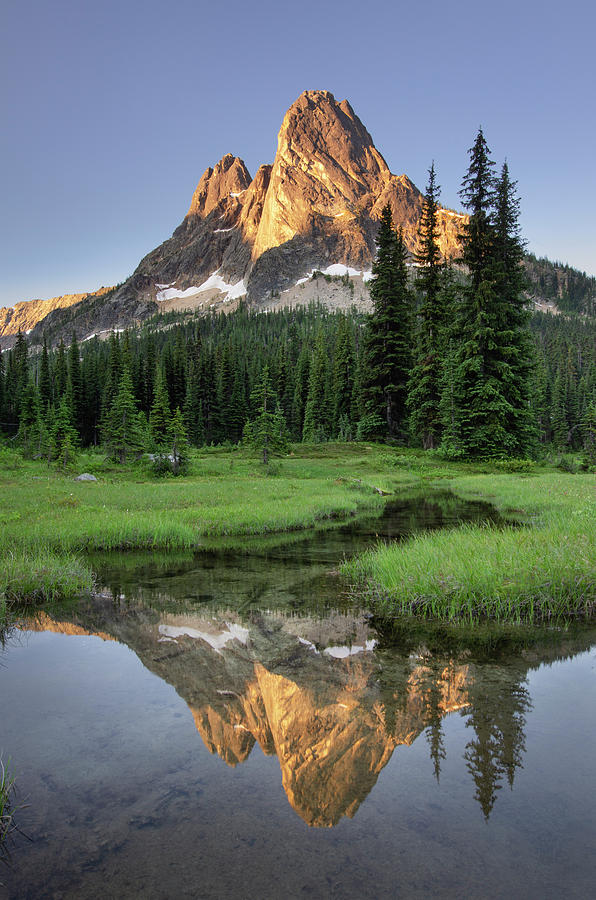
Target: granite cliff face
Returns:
[[315, 208]]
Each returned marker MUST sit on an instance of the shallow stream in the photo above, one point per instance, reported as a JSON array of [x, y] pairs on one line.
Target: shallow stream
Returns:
[[228, 725]]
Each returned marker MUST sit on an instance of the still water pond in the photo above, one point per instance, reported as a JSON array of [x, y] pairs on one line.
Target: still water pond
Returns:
[[228, 726]]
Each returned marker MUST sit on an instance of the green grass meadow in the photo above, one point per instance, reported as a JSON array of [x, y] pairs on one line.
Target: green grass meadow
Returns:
[[47, 519], [541, 567]]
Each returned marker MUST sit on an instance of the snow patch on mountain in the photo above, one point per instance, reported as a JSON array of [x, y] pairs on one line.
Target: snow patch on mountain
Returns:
[[214, 282]]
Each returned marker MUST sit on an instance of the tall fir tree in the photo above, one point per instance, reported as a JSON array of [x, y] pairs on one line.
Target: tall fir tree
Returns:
[[491, 360], [266, 431], [124, 434], [60, 373], [388, 341], [44, 381], [424, 386], [179, 449], [92, 394], [343, 378], [317, 416], [512, 327], [75, 388], [300, 393], [160, 417], [30, 420], [3, 411], [18, 376], [63, 440]]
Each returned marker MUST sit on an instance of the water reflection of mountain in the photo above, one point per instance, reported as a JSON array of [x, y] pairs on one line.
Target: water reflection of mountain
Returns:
[[313, 692]]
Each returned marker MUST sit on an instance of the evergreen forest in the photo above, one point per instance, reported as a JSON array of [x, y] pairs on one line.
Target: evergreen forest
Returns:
[[450, 359]]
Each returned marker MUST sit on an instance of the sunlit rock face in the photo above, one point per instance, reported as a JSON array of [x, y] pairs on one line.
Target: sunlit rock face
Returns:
[[316, 206], [331, 714], [329, 184], [229, 179], [26, 315]]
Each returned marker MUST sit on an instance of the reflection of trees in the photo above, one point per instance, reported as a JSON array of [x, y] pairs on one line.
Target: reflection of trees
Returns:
[[498, 706], [434, 731]]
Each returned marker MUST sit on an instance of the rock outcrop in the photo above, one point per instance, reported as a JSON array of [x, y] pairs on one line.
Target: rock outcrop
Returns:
[[26, 315]]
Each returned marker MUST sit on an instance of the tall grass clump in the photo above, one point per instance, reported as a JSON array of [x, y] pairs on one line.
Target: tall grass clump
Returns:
[[40, 576], [543, 571], [6, 800]]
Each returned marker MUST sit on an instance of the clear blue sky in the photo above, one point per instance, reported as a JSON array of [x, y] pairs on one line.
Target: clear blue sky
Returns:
[[113, 110]]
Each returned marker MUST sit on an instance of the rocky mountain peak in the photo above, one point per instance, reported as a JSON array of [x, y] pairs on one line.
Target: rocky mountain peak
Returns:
[[315, 208], [326, 162], [229, 177]]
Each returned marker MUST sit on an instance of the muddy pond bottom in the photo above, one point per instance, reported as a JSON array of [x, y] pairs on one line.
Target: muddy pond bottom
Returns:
[[191, 734]]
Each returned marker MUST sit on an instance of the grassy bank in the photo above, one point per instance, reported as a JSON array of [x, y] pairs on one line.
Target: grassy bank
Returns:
[[544, 571], [47, 517], [226, 494], [538, 572], [41, 576]]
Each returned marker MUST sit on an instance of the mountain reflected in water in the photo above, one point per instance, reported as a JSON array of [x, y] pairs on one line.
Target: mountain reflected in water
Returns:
[[317, 693]]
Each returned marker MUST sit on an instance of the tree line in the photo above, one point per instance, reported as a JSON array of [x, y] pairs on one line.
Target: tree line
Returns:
[[448, 360]]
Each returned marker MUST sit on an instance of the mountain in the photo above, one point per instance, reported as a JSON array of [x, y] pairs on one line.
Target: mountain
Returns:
[[315, 208]]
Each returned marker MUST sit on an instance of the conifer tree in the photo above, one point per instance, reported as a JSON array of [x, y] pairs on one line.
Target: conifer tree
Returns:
[[63, 436], [18, 376], [477, 194], [343, 378], [160, 416], [316, 426], [388, 341], [193, 405], [267, 431], [179, 365], [150, 368], [237, 411], [179, 453], [560, 425], [124, 434], [75, 389], [3, 412], [490, 364], [114, 372], [424, 387], [30, 420], [60, 373], [92, 393], [45, 382], [514, 339], [589, 455], [300, 393]]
